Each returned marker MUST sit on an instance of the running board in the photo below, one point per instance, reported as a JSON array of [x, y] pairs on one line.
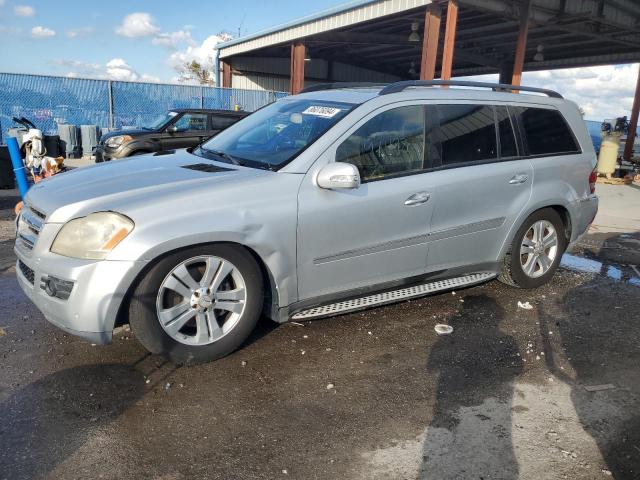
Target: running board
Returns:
[[392, 296]]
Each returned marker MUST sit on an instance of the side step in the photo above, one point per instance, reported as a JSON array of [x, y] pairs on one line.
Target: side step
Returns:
[[392, 296]]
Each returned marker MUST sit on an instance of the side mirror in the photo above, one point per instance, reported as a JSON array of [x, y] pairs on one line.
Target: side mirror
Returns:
[[172, 129], [338, 175]]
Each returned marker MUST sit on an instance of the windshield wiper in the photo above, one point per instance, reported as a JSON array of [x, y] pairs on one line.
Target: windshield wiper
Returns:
[[223, 155]]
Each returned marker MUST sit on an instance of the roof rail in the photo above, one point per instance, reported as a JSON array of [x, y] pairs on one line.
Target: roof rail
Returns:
[[401, 86], [335, 85]]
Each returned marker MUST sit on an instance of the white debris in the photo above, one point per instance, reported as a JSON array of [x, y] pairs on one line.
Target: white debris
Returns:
[[442, 329], [598, 388], [305, 336], [607, 472], [525, 305], [330, 386], [243, 363]]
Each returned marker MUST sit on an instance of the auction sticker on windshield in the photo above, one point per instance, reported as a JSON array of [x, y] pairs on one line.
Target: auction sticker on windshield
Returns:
[[320, 111]]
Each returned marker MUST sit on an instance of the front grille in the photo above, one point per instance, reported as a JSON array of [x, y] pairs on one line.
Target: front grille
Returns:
[[29, 226], [38, 213], [26, 272]]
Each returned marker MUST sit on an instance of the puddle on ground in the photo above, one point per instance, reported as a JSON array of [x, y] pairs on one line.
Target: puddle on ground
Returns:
[[586, 265]]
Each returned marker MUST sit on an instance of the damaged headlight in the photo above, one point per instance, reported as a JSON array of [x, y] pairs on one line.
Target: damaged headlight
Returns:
[[92, 237], [118, 140]]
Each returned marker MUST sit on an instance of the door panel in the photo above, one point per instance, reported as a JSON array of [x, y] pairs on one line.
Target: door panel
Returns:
[[356, 238], [475, 207]]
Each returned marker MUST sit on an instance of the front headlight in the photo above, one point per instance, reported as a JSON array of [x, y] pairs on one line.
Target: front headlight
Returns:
[[92, 237], [115, 142]]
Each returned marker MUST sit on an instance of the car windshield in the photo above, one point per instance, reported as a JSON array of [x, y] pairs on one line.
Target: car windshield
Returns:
[[160, 121], [276, 134]]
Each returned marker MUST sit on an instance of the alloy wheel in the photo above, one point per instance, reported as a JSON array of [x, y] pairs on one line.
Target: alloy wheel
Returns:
[[201, 300], [539, 249]]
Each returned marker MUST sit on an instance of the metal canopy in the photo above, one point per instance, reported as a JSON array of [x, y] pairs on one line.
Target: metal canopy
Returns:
[[570, 33]]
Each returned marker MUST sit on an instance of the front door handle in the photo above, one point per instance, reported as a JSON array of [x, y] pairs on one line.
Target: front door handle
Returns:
[[519, 178], [417, 199]]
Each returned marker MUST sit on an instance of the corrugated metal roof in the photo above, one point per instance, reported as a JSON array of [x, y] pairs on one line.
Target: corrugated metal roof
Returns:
[[338, 17]]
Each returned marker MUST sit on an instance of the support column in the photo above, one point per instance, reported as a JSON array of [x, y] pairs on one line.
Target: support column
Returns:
[[521, 47], [633, 123], [449, 40], [297, 67], [430, 40], [226, 75]]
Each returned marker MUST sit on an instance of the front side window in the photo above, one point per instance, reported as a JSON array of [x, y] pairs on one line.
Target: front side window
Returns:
[[546, 131], [191, 122], [274, 135], [460, 134], [390, 143]]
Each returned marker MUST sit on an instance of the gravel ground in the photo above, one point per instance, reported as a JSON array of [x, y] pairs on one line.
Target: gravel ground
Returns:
[[372, 395]]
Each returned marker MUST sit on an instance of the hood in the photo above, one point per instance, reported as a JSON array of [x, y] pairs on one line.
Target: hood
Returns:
[[146, 180], [134, 132]]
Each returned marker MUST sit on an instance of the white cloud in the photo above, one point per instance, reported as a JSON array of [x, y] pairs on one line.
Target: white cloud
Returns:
[[114, 69], [24, 11], [203, 54], [171, 40], [139, 24], [42, 32], [602, 92], [80, 32]]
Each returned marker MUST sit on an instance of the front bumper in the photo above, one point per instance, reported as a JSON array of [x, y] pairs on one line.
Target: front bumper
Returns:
[[99, 288]]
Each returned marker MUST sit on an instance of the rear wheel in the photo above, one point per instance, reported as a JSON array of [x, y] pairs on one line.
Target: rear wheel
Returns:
[[536, 250], [198, 304]]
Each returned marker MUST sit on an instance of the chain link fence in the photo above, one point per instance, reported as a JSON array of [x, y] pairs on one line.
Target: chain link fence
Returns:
[[48, 101]]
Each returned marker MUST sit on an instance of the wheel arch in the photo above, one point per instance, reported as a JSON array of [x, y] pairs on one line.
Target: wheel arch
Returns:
[[559, 207], [270, 306]]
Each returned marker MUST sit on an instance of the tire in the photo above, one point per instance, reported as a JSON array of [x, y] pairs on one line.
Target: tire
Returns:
[[222, 320], [517, 269]]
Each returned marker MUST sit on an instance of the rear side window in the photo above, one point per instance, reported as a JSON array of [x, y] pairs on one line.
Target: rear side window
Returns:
[[461, 134], [391, 143], [220, 122], [546, 132]]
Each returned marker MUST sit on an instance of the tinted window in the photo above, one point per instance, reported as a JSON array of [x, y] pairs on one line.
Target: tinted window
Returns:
[[390, 143], [506, 131], [546, 132], [191, 121], [220, 122], [460, 133]]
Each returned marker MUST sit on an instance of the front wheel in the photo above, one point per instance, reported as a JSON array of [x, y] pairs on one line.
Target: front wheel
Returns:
[[198, 304], [536, 250]]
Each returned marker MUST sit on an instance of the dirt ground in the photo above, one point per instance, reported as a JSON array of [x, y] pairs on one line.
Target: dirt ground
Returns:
[[373, 395]]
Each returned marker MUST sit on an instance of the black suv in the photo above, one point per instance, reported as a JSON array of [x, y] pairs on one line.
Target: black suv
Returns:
[[178, 128]]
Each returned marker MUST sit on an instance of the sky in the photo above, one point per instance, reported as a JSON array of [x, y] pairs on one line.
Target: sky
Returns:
[[145, 40]]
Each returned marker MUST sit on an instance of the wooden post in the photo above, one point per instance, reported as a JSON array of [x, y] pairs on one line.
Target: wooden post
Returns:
[[521, 47], [430, 40], [297, 67], [449, 40], [226, 75], [633, 123]]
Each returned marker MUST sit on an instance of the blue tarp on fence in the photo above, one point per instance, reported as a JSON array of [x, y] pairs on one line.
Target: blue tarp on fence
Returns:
[[47, 101]]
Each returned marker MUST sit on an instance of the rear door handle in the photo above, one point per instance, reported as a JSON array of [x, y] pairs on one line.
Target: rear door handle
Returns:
[[519, 178], [417, 199]]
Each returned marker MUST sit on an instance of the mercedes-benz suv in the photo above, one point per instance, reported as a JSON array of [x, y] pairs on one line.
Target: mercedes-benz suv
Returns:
[[319, 204]]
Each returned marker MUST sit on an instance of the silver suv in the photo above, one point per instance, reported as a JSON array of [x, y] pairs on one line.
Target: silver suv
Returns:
[[322, 203]]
